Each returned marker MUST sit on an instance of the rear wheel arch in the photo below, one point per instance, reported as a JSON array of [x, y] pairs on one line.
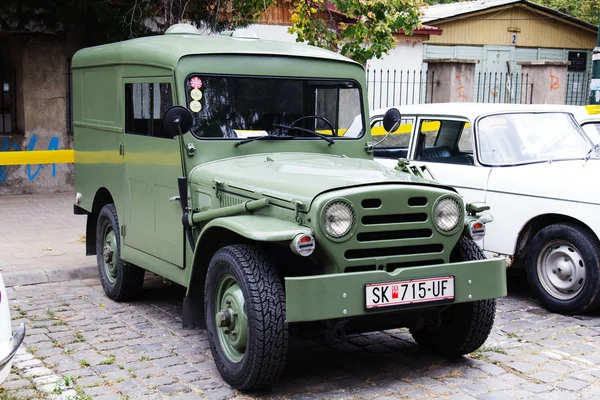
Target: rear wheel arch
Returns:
[[536, 224], [102, 198]]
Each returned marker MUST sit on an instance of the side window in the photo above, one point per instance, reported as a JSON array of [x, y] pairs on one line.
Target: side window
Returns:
[[394, 144], [444, 141], [592, 130], [145, 104], [465, 144]]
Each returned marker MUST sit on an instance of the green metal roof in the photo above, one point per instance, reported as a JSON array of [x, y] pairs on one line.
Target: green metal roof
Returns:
[[166, 50]]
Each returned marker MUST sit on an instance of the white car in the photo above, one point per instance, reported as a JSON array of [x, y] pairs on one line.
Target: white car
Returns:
[[9, 343], [537, 170], [589, 119]]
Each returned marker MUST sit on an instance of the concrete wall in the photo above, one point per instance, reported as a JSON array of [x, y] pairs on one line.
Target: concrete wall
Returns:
[[41, 99]]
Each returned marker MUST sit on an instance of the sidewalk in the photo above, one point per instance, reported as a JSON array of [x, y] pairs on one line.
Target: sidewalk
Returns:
[[41, 240]]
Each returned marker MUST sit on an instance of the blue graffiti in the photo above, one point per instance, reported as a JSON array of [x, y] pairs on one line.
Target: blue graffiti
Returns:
[[7, 145], [53, 145]]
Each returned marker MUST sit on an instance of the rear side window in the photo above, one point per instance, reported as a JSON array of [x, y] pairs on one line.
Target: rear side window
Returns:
[[145, 104]]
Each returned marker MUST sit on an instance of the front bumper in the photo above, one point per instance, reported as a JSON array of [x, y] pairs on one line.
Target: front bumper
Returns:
[[9, 349], [313, 298]]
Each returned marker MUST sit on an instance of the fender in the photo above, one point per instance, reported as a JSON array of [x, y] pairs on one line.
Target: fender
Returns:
[[259, 228], [217, 233]]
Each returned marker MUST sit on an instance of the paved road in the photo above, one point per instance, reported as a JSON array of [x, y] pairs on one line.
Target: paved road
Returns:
[[81, 345]]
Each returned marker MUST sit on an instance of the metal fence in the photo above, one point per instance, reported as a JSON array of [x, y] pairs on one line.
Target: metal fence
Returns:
[[399, 87], [578, 88], [500, 87]]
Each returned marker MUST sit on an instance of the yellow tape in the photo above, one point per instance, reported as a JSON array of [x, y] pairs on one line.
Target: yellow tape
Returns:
[[37, 157], [593, 109]]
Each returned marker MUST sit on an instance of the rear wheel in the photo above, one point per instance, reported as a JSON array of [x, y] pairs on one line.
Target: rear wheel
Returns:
[[563, 267], [461, 328], [245, 317], [120, 280]]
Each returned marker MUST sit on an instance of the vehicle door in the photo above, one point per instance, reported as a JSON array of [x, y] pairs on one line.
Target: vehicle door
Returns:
[[446, 147], [152, 165]]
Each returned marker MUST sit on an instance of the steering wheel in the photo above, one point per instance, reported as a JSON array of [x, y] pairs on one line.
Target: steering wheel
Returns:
[[329, 124]]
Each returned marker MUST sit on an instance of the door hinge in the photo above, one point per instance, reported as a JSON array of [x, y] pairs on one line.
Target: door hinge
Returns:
[[123, 230], [121, 149]]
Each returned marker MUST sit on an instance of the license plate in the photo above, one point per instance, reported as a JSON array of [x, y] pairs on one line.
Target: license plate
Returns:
[[413, 291]]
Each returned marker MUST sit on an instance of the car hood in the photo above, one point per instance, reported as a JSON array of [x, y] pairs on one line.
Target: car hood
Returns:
[[298, 176], [573, 180]]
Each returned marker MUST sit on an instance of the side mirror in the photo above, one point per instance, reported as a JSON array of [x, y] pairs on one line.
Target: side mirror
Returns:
[[391, 120], [178, 120]]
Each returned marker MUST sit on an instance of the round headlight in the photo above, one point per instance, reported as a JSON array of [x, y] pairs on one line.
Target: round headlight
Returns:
[[447, 214], [338, 219]]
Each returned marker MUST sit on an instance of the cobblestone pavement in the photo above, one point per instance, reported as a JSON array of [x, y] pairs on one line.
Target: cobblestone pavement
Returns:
[[81, 345]]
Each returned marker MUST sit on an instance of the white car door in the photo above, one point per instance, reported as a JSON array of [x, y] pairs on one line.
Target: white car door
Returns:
[[446, 147]]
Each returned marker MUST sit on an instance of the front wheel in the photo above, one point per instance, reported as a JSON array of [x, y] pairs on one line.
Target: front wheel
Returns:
[[461, 328], [563, 267], [245, 317]]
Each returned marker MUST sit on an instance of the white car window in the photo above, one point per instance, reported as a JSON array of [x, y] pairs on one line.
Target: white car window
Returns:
[[592, 129], [519, 138]]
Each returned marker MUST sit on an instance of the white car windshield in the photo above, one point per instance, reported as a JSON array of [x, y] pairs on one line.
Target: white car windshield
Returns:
[[520, 138]]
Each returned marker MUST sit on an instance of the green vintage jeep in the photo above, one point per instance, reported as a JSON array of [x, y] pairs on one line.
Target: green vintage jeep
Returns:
[[223, 164]]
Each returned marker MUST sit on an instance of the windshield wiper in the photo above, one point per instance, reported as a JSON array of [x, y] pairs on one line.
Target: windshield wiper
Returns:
[[594, 149], [268, 137], [315, 134]]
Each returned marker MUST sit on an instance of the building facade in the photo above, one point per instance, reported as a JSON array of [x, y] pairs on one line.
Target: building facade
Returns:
[[500, 34]]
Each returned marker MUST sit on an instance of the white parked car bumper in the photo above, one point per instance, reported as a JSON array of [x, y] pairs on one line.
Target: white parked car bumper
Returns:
[[9, 343]]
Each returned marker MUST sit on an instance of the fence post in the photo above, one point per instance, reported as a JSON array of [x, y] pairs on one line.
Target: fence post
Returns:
[[455, 79], [548, 79]]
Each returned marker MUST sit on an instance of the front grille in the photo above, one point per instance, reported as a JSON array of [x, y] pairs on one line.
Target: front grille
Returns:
[[394, 251], [393, 218], [387, 240], [391, 235]]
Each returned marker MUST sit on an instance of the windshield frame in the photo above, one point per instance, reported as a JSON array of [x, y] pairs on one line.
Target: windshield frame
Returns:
[[477, 143], [281, 77]]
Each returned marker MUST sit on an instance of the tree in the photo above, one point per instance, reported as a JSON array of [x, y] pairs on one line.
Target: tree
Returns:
[[102, 21], [359, 29]]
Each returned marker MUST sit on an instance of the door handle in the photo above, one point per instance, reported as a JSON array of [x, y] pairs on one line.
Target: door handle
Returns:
[[174, 198]]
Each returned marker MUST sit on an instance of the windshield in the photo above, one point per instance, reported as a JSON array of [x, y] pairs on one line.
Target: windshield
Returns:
[[232, 107], [520, 138]]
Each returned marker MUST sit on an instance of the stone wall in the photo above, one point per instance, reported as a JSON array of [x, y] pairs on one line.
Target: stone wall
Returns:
[[41, 68]]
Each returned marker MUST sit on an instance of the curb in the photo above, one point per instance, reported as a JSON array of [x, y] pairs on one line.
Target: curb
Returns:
[[60, 274]]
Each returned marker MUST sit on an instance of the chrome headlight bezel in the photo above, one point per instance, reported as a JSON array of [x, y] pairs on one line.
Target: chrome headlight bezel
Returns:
[[326, 220], [442, 201]]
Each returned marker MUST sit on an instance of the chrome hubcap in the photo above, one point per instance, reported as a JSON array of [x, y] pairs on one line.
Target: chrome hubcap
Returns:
[[561, 270]]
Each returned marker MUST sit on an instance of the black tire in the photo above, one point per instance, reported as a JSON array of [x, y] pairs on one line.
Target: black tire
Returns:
[[463, 327], [568, 282], [120, 280], [264, 355]]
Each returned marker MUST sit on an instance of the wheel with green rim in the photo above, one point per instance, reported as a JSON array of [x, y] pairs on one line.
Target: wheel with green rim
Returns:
[[120, 280], [245, 317]]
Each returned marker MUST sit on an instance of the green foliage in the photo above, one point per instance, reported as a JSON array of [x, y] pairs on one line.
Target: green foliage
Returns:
[[102, 21], [361, 30], [587, 10]]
